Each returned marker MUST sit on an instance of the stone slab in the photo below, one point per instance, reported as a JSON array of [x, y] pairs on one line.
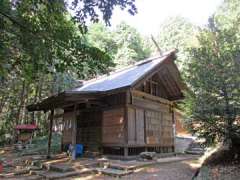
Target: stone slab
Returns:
[[113, 172], [61, 167], [57, 175]]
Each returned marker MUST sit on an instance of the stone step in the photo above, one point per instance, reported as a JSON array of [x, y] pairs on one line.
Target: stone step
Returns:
[[196, 149], [35, 177], [119, 167], [56, 175], [194, 152], [61, 167], [112, 172]]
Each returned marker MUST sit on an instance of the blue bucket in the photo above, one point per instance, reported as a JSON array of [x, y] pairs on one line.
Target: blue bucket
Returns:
[[79, 150]]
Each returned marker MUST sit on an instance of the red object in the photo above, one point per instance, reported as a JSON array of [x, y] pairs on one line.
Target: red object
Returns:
[[1, 167], [26, 126]]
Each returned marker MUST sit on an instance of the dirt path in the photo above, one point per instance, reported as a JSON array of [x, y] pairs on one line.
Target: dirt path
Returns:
[[183, 170]]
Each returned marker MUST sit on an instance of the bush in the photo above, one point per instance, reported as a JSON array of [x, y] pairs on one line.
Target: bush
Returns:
[[40, 144]]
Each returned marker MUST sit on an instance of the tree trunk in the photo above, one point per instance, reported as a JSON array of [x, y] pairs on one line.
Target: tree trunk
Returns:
[[2, 103], [39, 97], [50, 134], [229, 119], [20, 106]]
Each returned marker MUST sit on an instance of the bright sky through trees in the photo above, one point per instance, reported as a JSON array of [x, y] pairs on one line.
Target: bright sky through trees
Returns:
[[151, 13]]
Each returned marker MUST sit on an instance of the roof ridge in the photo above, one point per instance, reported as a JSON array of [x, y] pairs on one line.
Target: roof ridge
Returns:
[[119, 70], [138, 63]]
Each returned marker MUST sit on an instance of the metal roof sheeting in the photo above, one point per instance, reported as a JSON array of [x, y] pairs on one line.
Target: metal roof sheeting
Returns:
[[122, 78]]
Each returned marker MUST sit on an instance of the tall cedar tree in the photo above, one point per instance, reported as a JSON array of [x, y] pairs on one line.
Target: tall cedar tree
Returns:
[[213, 74]]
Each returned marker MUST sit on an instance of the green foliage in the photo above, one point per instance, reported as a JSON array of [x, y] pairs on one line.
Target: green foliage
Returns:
[[45, 39], [93, 10], [102, 37], [39, 145], [130, 45], [213, 76], [43, 50], [124, 44], [227, 13], [176, 33]]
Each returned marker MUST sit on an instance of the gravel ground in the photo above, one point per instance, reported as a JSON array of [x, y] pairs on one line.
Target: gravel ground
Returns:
[[183, 170], [219, 172]]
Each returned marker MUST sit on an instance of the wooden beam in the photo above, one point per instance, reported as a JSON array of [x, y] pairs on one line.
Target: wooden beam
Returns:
[[74, 132], [144, 95], [169, 59], [126, 128], [145, 129], [50, 133], [56, 116], [174, 130]]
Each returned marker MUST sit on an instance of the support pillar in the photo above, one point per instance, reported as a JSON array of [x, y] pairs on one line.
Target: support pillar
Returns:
[[125, 151], [125, 131], [174, 130], [50, 134], [74, 132]]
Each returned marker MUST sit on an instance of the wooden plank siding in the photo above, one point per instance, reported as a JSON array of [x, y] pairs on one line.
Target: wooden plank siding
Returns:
[[159, 128], [67, 127], [140, 126], [131, 126], [150, 122], [89, 129], [113, 126]]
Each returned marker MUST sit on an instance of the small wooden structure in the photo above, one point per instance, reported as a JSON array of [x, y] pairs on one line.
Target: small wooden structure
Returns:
[[181, 129], [123, 113], [25, 132]]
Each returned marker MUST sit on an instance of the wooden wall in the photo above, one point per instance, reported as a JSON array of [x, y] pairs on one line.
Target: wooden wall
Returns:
[[136, 126], [115, 99], [159, 128], [89, 129], [138, 120], [67, 127], [150, 123], [154, 86], [113, 126]]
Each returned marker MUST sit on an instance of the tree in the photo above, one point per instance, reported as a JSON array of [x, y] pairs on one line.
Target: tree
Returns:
[[227, 13], [124, 44], [41, 44], [213, 76], [42, 35], [100, 36], [176, 33], [130, 45]]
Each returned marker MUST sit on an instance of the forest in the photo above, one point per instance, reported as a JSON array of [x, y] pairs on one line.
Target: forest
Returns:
[[45, 50]]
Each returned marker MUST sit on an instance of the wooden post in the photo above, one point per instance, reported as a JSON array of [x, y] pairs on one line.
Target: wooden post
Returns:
[[50, 133], [125, 130], [145, 131], [174, 129], [74, 132], [125, 151]]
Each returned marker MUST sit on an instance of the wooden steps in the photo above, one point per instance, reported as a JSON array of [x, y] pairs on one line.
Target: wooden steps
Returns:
[[112, 172], [61, 168], [57, 175]]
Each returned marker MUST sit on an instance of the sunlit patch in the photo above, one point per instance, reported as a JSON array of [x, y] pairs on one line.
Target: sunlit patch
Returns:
[[194, 163], [198, 162], [2, 152], [152, 170], [87, 177], [121, 120], [138, 170], [56, 161]]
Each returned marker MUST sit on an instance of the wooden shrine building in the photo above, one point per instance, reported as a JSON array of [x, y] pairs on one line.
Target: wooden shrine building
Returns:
[[123, 113]]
